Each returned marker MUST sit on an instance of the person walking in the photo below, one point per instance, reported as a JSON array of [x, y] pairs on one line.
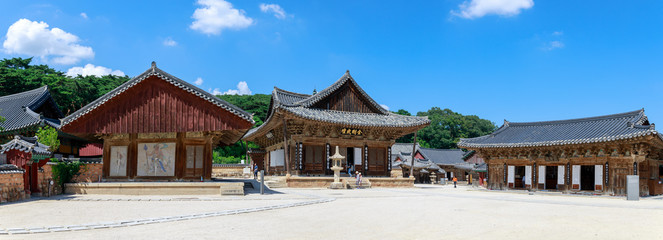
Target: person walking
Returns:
[[358, 174], [455, 181], [255, 171]]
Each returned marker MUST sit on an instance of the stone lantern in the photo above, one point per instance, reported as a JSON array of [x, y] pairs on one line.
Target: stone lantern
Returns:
[[336, 160]]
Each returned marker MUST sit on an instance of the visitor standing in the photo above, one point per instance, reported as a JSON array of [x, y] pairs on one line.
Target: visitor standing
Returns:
[[255, 171], [455, 181]]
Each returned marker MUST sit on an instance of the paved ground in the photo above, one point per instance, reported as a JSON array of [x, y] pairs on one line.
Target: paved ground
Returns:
[[425, 212]]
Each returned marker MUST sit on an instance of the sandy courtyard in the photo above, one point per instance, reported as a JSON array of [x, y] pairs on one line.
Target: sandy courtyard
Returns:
[[425, 212]]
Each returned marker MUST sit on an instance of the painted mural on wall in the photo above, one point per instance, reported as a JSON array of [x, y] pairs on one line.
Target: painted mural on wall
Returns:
[[156, 159], [118, 161]]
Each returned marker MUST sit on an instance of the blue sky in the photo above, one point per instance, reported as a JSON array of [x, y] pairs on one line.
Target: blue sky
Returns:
[[521, 60]]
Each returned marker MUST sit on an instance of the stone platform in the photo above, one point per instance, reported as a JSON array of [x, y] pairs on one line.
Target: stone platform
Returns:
[[156, 188], [325, 182]]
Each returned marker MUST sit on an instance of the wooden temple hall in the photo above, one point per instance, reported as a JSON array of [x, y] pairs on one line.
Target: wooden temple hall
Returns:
[[302, 131], [158, 127], [589, 154]]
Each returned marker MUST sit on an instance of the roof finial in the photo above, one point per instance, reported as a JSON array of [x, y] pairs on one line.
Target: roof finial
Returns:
[[154, 64], [347, 71]]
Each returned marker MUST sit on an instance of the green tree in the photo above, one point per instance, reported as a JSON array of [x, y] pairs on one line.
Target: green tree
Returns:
[[403, 112], [448, 127], [49, 137]]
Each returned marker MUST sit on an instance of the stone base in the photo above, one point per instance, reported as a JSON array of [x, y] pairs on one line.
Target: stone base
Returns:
[[337, 185], [325, 182], [232, 189], [151, 188]]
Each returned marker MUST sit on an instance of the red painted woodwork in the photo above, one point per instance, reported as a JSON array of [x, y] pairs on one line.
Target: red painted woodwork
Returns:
[[91, 149], [347, 98], [418, 156], [154, 105]]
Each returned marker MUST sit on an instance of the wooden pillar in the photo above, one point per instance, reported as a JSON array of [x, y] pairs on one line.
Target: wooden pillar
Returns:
[[286, 147], [414, 148]]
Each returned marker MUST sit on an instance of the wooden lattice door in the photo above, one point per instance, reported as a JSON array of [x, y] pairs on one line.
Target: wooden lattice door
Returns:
[[194, 161]]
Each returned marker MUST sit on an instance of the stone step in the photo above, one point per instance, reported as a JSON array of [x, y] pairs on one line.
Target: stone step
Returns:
[[352, 183]]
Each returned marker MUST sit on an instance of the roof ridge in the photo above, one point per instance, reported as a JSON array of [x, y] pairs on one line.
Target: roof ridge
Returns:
[[576, 120], [41, 89], [289, 92]]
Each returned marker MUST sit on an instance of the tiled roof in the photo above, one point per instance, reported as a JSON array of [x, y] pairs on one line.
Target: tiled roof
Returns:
[[357, 119], [288, 98], [10, 168], [300, 105], [443, 156], [18, 109], [154, 71], [26, 144], [564, 132]]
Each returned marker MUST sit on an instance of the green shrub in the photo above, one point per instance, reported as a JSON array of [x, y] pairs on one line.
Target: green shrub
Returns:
[[65, 172]]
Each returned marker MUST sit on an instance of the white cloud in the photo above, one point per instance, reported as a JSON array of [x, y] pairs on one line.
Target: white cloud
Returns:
[[554, 45], [385, 107], [216, 91], [84, 15], [242, 89], [34, 38], [199, 81], [169, 42], [216, 15], [275, 8], [480, 8], [558, 33], [90, 69]]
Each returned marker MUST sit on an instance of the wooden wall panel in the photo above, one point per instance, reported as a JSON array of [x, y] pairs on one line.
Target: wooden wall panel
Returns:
[[156, 106]]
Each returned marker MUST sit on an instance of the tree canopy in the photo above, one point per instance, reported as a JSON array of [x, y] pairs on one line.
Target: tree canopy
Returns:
[[258, 104], [49, 137], [70, 93], [447, 128]]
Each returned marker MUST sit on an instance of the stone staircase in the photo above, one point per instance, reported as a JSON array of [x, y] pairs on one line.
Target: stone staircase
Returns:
[[352, 183], [275, 182]]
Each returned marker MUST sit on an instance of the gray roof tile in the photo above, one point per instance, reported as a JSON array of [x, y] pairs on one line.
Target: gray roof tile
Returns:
[[26, 144], [575, 131], [18, 109]]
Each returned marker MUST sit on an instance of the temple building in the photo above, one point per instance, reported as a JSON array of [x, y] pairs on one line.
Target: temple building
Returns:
[[26, 112], [592, 154], [158, 127], [301, 130]]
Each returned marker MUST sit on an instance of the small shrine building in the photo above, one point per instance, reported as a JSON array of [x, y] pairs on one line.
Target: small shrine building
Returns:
[[30, 155], [158, 127], [592, 154], [302, 130]]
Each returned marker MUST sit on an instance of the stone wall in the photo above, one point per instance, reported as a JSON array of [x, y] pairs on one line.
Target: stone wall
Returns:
[[45, 176], [90, 172], [11, 186]]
